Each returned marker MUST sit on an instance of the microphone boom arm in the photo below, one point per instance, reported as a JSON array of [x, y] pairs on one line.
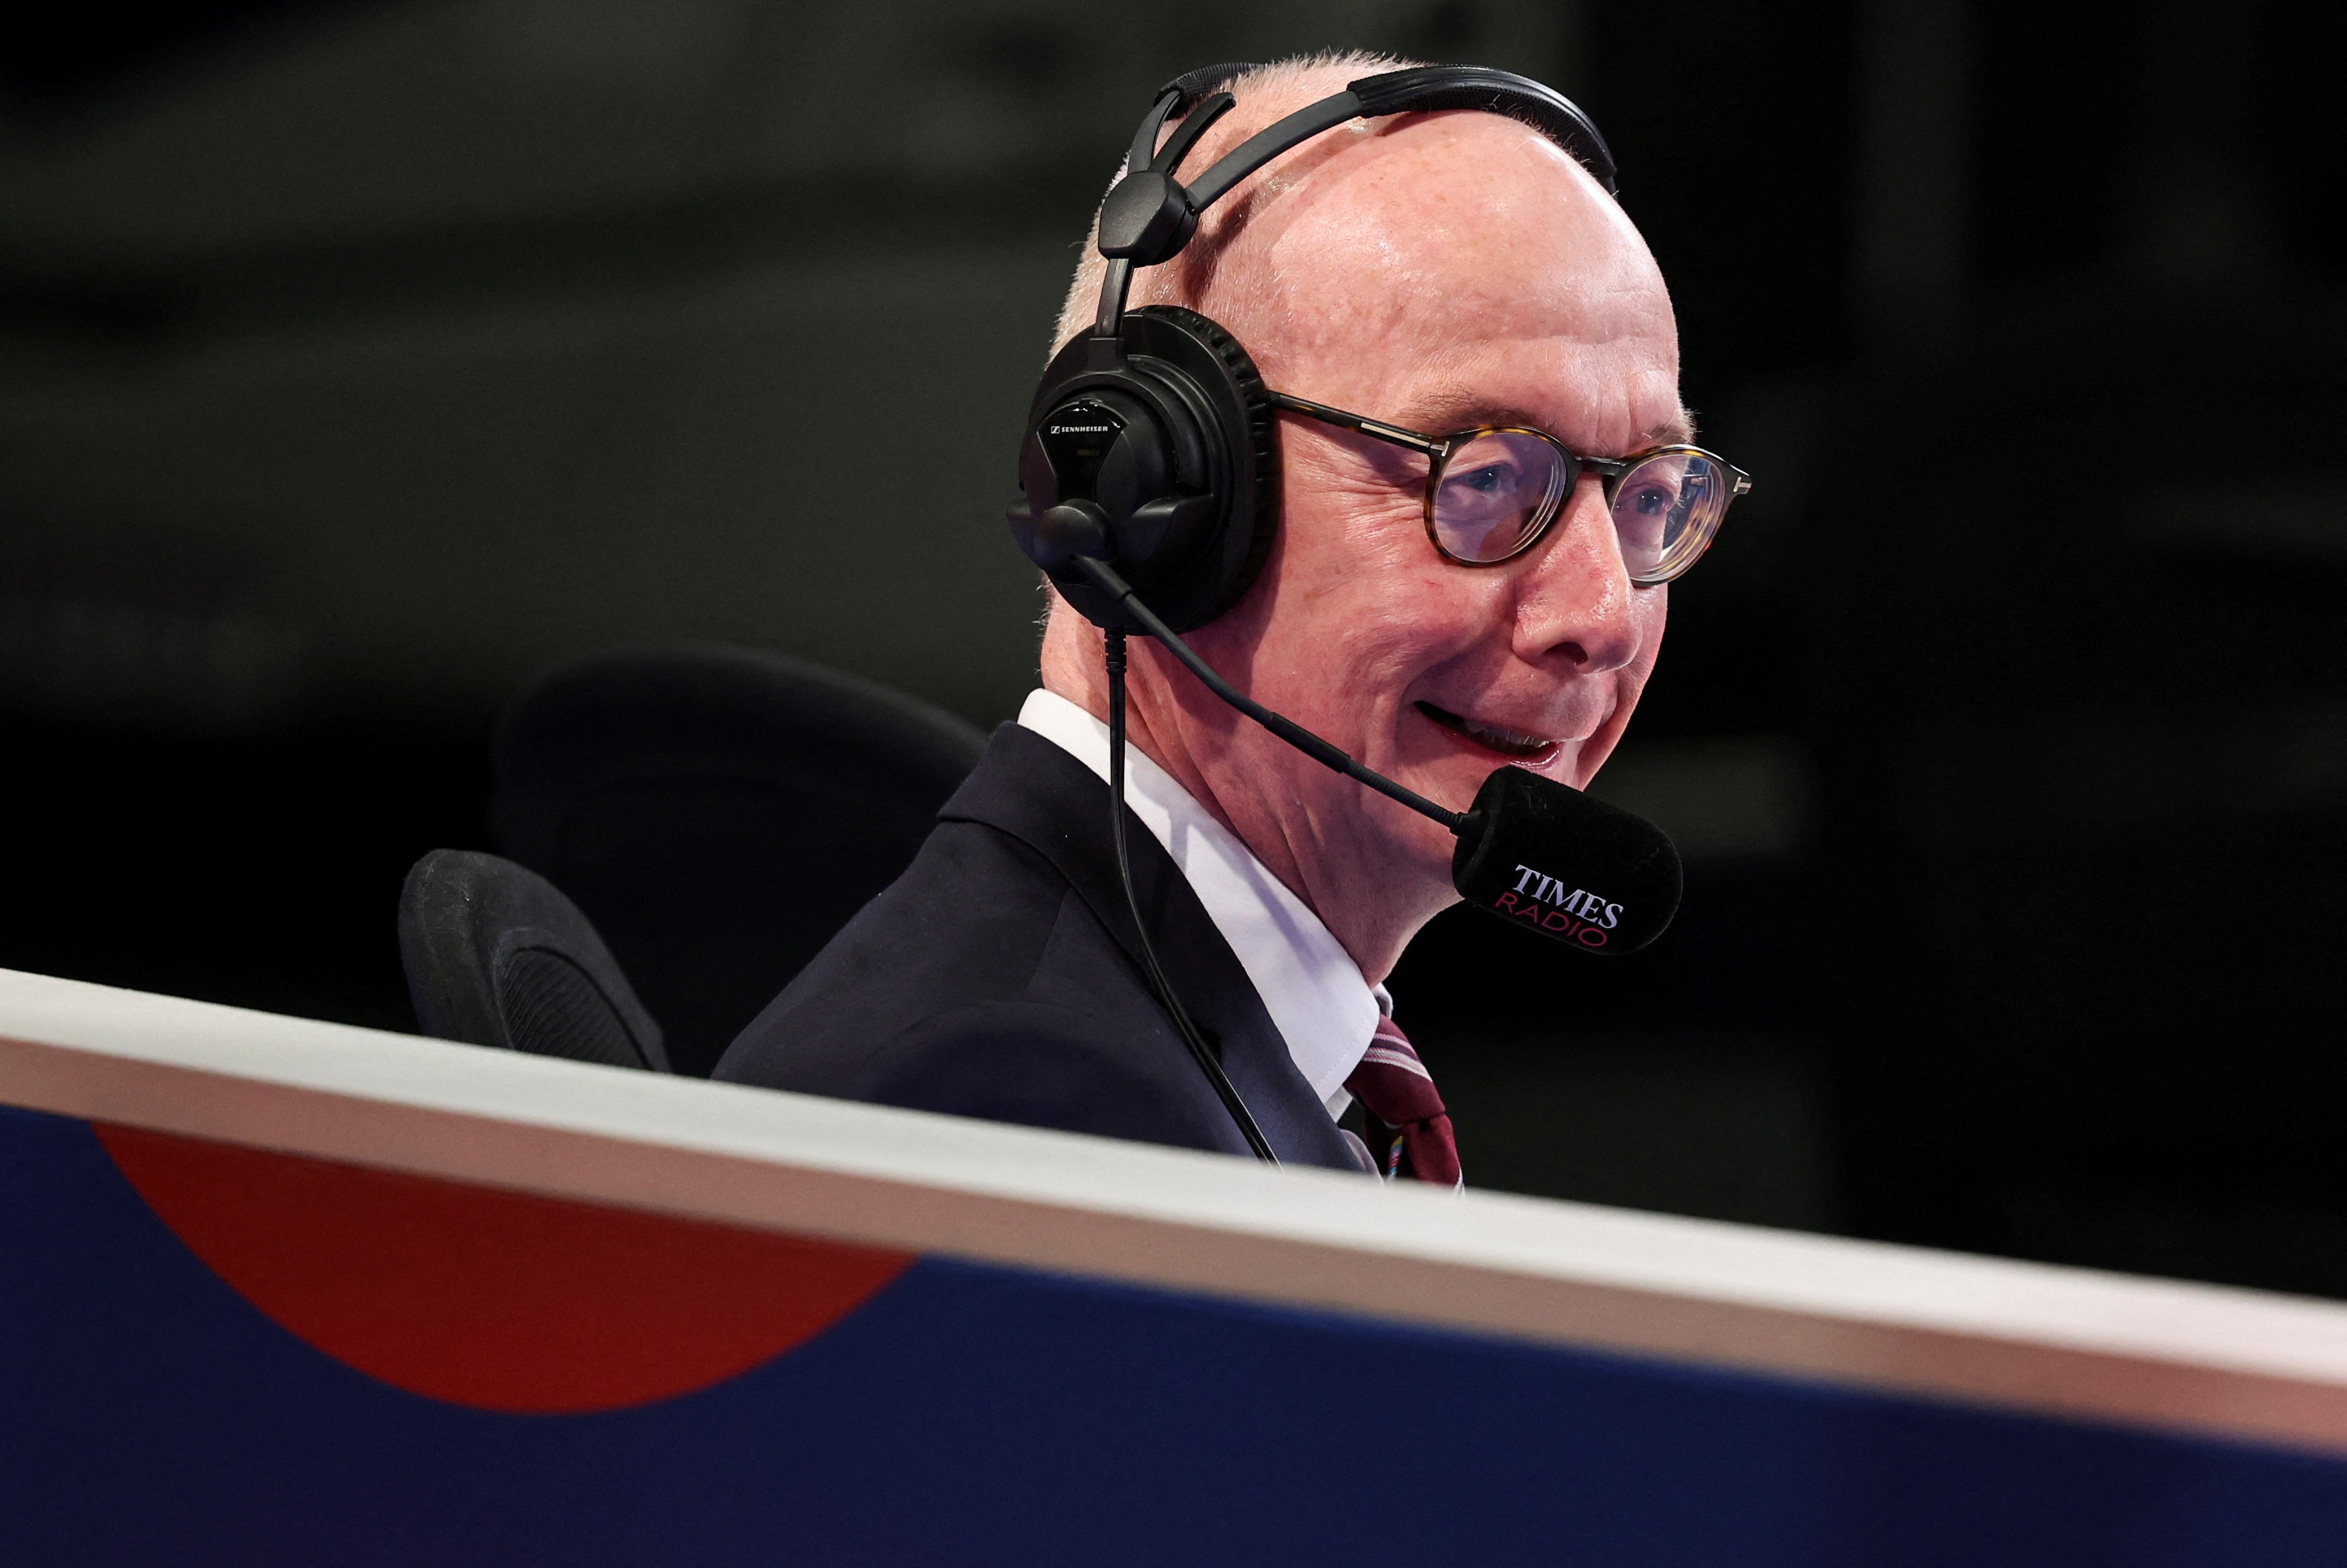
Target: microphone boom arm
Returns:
[[1104, 577]]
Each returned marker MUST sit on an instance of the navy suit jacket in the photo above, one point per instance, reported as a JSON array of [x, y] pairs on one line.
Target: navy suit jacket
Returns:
[[1000, 978]]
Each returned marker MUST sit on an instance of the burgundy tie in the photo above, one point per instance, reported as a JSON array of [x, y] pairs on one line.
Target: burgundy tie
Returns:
[[1393, 1087]]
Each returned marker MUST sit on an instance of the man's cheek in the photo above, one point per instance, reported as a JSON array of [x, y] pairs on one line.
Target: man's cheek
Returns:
[[1655, 610]]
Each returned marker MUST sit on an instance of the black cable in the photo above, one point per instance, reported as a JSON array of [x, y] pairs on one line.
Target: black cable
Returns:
[[1208, 1062], [1105, 579]]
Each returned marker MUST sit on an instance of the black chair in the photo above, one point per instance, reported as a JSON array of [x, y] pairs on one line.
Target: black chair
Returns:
[[720, 815], [497, 956]]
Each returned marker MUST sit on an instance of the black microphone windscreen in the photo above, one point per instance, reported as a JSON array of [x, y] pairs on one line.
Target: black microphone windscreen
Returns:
[[1549, 858]]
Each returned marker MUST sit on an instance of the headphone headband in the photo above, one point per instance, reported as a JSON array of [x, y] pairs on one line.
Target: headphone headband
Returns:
[[1151, 443], [1423, 90], [1150, 217]]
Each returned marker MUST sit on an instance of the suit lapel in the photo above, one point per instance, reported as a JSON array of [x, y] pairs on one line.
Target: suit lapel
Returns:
[[1028, 787]]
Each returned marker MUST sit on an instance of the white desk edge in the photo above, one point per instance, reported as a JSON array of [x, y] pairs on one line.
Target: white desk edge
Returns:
[[2146, 1352]]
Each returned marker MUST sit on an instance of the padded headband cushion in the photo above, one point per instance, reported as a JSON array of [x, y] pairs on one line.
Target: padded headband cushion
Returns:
[[1424, 89]]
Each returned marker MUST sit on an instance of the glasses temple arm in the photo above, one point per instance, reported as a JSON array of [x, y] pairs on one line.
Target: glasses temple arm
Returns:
[[1433, 445]]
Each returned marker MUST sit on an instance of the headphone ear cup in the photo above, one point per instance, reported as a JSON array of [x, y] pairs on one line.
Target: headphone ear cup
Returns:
[[1170, 433], [1251, 507]]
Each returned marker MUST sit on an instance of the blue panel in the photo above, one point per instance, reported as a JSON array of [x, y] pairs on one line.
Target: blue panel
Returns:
[[979, 1415]]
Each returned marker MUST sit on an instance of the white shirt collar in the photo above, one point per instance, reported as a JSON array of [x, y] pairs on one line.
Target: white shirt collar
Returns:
[[1309, 984]]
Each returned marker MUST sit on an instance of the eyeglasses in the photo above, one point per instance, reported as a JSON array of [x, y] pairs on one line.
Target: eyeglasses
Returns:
[[1492, 491]]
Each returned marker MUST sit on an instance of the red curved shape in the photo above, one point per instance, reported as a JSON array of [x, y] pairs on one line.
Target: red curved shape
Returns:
[[499, 1300]]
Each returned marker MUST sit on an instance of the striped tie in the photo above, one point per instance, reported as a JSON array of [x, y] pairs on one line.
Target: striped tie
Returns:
[[1393, 1087]]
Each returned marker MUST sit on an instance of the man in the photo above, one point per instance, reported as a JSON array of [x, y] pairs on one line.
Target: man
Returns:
[[1438, 272]]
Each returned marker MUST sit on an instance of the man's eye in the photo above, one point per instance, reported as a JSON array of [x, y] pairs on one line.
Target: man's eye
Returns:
[[1652, 501], [1490, 481]]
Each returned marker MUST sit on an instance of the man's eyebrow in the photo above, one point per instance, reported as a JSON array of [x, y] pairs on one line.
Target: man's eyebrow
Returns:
[[1443, 413], [1679, 430]]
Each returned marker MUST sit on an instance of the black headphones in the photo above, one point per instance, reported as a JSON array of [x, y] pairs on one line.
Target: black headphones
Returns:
[[1150, 443]]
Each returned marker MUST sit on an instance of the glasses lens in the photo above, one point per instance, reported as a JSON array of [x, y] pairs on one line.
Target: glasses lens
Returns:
[[1665, 510], [1498, 492]]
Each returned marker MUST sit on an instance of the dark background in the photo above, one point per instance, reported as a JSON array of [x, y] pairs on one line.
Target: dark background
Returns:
[[360, 363]]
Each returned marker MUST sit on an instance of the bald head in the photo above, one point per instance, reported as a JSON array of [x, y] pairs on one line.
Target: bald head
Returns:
[[1437, 228]]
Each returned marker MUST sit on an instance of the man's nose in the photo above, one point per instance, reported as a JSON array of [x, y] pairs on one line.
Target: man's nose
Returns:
[[1574, 601]]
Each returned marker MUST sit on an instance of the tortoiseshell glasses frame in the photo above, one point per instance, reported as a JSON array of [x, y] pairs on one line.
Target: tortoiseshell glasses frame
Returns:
[[1492, 492]]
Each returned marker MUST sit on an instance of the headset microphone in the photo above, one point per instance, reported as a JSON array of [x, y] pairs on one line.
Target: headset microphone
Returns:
[[1554, 860], [1538, 853]]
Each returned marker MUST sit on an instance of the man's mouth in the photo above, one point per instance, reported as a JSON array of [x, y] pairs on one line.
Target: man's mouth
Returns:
[[1491, 737]]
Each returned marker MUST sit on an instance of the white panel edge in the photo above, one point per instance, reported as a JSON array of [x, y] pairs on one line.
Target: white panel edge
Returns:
[[2070, 1341]]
